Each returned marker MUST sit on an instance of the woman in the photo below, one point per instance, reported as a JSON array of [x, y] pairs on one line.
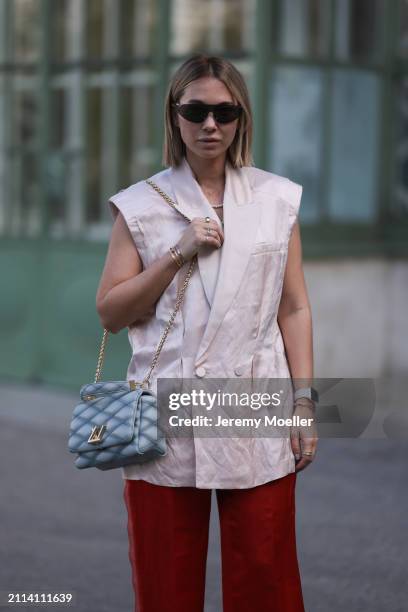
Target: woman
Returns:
[[247, 288]]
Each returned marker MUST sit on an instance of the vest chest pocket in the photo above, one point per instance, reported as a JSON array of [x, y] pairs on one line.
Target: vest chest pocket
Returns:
[[263, 279], [272, 227], [267, 247]]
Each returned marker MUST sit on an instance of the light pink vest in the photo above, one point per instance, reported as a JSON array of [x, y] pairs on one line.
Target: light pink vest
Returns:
[[227, 326]]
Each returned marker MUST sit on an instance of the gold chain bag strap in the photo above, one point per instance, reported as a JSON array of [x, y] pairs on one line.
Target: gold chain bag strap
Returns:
[[116, 422], [146, 381]]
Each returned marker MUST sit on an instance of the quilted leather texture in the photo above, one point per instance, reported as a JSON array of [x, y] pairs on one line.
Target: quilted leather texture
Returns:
[[130, 417]]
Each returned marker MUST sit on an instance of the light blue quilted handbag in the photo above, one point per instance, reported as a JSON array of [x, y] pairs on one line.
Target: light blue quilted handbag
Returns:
[[116, 422]]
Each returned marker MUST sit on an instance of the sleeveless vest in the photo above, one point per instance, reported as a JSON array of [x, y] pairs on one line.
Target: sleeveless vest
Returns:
[[227, 325]]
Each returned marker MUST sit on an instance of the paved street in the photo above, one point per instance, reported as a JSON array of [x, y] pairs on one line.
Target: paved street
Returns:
[[65, 530]]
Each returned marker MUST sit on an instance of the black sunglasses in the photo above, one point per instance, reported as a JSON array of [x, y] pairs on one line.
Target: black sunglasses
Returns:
[[197, 112]]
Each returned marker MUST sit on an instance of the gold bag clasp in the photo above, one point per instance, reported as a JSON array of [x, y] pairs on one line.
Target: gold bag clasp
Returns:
[[134, 384], [97, 434]]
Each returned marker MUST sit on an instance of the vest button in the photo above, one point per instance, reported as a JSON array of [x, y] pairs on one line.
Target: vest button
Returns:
[[200, 371]]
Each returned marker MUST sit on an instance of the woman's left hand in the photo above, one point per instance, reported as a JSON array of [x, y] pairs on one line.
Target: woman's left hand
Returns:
[[304, 438]]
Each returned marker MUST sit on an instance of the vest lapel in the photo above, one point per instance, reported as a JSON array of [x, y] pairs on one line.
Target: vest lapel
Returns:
[[241, 219], [221, 269], [191, 201]]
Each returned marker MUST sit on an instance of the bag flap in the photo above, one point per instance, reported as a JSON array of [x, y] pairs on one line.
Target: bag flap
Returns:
[[108, 415]]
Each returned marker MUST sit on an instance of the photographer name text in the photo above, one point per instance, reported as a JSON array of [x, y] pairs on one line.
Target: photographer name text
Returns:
[[255, 422]]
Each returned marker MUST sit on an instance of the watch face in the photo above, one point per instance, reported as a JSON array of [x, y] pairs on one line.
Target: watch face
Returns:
[[309, 393], [314, 395]]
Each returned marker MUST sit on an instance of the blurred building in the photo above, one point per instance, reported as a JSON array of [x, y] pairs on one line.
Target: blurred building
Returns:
[[82, 84]]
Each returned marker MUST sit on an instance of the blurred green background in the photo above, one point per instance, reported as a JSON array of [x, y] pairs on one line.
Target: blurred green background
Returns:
[[82, 86]]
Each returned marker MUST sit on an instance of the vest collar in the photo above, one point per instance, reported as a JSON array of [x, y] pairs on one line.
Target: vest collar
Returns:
[[221, 270]]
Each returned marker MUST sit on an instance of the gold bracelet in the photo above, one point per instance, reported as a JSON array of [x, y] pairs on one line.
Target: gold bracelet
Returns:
[[175, 257], [179, 253]]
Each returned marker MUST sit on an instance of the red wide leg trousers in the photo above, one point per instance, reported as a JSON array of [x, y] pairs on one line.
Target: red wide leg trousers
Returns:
[[168, 541]]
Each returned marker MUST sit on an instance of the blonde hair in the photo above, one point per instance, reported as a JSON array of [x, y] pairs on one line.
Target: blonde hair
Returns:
[[239, 153]]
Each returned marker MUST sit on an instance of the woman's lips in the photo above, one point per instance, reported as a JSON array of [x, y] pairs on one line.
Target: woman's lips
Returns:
[[209, 141]]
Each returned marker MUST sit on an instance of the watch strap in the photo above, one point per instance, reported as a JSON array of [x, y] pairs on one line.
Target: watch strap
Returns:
[[308, 392]]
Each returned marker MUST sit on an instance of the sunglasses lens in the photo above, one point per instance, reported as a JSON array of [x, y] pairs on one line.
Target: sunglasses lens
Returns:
[[193, 112], [197, 113], [226, 114]]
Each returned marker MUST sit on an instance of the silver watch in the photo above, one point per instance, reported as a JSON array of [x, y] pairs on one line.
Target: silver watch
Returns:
[[308, 392]]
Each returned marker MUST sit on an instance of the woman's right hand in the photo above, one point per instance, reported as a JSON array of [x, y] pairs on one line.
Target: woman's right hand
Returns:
[[196, 236]]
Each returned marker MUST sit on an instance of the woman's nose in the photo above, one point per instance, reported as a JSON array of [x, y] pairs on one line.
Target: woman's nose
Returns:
[[209, 121]]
